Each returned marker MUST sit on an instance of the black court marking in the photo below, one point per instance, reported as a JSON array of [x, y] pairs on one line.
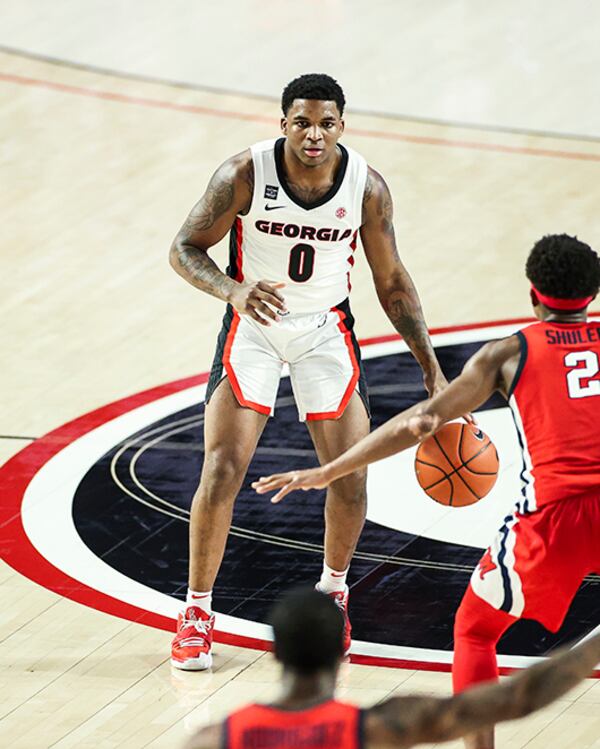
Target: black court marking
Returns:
[[132, 507]]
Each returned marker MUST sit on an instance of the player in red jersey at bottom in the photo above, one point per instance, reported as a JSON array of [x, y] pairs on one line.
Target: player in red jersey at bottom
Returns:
[[550, 374], [308, 630]]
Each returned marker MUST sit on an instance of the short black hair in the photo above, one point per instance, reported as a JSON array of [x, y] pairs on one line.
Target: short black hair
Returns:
[[561, 266], [308, 629], [313, 86]]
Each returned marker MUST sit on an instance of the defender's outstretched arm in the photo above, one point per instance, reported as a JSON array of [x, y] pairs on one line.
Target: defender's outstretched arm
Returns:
[[478, 380], [406, 721]]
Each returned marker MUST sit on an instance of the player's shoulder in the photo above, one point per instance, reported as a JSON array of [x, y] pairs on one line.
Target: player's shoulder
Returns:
[[236, 166], [240, 167], [502, 348], [375, 181], [376, 191], [533, 328], [263, 147], [494, 354], [237, 173]]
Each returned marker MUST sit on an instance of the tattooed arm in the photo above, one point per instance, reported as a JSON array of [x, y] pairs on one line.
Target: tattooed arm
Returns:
[[393, 284], [228, 194], [406, 721]]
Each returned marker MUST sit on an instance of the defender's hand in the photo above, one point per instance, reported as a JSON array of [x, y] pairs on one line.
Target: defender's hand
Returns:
[[259, 300], [312, 478]]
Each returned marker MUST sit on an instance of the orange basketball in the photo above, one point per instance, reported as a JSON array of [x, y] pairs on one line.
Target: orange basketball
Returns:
[[457, 466]]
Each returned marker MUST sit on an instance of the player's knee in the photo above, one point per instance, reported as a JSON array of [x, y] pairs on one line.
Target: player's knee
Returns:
[[478, 621], [465, 625], [351, 489], [222, 473]]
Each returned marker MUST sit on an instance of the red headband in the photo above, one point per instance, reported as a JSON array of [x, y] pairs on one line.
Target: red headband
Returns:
[[562, 304]]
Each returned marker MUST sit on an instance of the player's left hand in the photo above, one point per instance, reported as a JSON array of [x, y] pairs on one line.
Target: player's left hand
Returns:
[[311, 478]]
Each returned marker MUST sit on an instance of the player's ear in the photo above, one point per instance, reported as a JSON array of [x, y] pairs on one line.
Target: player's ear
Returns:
[[538, 309], [342, 126], [284, 125]]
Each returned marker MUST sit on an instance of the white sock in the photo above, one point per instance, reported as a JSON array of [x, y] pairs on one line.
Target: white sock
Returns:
[[332, 581], [203, 599]]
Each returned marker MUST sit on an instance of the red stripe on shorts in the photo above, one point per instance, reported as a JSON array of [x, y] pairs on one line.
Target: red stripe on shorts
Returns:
[[239, 234], [233, 380], [320, 416]]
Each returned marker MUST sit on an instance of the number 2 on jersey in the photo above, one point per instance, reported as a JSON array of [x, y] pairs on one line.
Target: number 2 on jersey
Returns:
[[577, 374]]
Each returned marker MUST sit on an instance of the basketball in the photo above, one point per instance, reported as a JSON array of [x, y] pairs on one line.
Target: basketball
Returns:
[[457, 466]]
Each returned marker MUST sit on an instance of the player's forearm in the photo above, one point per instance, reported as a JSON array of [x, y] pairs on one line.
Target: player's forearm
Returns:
[[401, 304], [549, 680], [197, 268], [404, 430], [388, 439], [530, 690]]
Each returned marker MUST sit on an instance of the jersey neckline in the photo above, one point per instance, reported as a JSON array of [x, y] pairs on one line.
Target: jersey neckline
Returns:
[[566, 322], [306, 708], [337, 183]]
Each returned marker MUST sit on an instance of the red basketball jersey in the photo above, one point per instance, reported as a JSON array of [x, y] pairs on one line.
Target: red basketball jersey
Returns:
[[329, 725], [555, 400]]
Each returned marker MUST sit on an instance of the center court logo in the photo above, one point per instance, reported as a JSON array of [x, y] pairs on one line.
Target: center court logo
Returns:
[[114, 487]]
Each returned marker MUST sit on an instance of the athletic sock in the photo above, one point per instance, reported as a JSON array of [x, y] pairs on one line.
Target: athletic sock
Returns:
[[203, 599], [332, 581]]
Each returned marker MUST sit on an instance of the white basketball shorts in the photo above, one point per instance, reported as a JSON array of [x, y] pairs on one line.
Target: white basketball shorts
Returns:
[[320, 350]]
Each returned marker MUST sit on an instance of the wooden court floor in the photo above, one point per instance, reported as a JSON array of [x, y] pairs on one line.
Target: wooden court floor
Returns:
[[98, 173]]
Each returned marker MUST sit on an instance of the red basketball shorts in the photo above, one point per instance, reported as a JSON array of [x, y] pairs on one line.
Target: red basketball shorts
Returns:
[[537, 560]]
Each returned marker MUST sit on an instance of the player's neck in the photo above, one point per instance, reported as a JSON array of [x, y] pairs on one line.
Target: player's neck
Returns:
[[298, 173], [562, 317], [300, 691]]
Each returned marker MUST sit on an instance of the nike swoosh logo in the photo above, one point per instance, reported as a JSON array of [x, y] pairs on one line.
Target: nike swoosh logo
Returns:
[[273, 207]]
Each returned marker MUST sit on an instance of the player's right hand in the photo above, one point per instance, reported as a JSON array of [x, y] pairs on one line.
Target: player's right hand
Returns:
[[259, 300], [310, 478]]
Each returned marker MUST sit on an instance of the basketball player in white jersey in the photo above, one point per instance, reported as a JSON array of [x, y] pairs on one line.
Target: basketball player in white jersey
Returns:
[[294, 208]]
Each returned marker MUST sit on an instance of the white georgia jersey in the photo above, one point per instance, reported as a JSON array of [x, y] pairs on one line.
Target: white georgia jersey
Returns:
[[310, 247]]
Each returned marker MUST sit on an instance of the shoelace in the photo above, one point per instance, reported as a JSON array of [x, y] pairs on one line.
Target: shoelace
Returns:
[[201, 625]]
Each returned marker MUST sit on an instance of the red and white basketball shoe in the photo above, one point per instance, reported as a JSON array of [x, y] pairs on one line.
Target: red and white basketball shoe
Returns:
[[190, 648], [341, 599]]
